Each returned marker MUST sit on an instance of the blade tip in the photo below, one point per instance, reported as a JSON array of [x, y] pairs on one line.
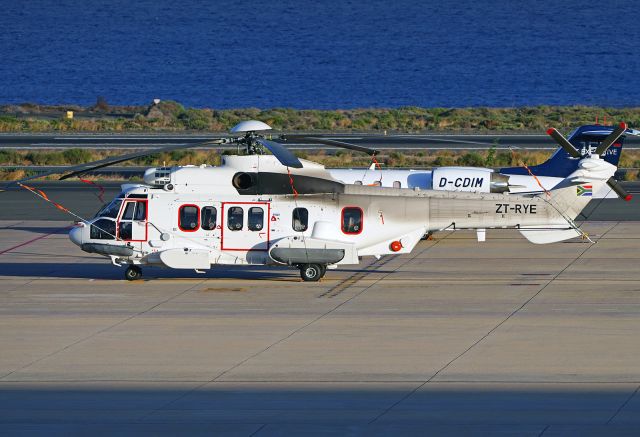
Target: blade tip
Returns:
[[550, 130], [623, 125], [628, 197]]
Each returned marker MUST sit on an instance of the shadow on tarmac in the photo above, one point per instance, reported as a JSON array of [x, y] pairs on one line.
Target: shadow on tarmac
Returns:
[[504, 409], [92, 270], [109, 271]]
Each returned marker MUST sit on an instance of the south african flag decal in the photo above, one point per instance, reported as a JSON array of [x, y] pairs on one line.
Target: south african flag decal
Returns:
[[585, 190]]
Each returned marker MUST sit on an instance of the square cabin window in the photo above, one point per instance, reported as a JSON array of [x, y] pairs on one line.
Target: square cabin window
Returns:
[[235, 219], [352, 220], [208, 218], [300, 219], [256, 218], [188, 218]]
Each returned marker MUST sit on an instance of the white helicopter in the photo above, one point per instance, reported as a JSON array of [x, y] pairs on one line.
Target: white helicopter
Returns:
[[281, 210]]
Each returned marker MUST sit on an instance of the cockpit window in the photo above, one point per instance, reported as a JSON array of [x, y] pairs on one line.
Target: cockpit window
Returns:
[[128, 211], [103, 229], [111, 210], [141, 211]]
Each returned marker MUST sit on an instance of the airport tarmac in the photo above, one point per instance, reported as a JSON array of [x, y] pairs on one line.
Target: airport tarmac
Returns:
[[459, 337]]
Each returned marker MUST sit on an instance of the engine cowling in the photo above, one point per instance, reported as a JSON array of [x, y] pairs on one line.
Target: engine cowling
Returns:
[[157, 177], [478, 180]]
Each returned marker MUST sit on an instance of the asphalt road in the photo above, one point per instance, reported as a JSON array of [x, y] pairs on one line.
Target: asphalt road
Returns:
[[501, 338], [20, 204], [396, 142]]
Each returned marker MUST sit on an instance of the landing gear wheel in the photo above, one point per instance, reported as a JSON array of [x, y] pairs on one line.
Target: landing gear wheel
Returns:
[[133, 273], [324, 270], [311, 272]]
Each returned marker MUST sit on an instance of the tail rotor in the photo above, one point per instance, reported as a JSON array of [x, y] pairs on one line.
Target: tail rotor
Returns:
[[600, 151]]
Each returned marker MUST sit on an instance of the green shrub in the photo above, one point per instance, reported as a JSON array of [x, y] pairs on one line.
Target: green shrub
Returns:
[[194, 119], [471, 159], [45, 158], [76, 156], [443, 161], [9, 157]]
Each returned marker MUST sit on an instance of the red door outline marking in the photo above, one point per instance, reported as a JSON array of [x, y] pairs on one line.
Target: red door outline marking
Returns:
[[223, 208]]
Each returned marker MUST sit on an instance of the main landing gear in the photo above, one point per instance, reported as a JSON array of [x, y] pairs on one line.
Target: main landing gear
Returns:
[[312, 272], [133, 273]]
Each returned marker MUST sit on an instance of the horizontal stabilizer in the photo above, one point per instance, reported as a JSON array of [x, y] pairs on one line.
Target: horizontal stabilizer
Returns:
[[550, 234]]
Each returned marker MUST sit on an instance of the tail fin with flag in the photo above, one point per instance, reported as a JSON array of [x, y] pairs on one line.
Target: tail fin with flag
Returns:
[[569, 198]]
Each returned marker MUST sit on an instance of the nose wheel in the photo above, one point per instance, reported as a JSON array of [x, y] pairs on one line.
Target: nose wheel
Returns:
[[133, 273], [312, 272]]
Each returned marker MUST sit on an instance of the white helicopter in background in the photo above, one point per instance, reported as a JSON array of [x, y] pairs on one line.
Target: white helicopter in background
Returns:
[[581, 142], [281, 210]]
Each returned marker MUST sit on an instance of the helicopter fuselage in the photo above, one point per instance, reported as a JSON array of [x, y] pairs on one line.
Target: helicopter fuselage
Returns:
[[195, 217]]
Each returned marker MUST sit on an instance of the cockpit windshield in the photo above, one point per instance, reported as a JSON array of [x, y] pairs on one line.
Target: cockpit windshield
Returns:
[[111, 210]]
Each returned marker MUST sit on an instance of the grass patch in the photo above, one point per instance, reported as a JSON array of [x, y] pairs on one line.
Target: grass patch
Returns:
[[340, 159], [172, 116]]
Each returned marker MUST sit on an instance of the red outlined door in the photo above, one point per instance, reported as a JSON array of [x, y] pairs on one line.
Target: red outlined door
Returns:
[[132, 221], [245, 225]]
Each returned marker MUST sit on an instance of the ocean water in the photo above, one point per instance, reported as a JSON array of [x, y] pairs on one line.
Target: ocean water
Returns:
[[324, 54]]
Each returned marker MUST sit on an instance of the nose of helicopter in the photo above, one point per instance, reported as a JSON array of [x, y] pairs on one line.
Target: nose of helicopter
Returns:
[[75, 235]]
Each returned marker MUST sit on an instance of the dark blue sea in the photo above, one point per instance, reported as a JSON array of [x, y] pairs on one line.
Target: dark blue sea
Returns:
[[322, 54]]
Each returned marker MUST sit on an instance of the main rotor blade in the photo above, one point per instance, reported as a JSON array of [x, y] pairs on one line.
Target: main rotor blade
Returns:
[[620, 191], [76, 170], [611, 138], [89, 166], [284, 155], [329, 142], [564, 143]]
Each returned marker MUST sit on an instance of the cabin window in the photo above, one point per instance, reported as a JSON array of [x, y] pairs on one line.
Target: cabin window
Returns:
[[209, 215], [256, 219], [235, 218], [357, 183], [300, 219], [188, 218], [351, 220], [103, 229], [397, 184], [377, 183]]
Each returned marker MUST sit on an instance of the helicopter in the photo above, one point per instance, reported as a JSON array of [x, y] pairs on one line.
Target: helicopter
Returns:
[[278, 209]]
